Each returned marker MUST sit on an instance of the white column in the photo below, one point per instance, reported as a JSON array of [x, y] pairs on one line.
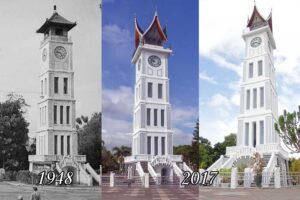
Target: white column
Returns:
[[146, 180], [152, 145], [234, 177], [65, 144], [159, 146], [58, 145], [112, 179], [277, 177]]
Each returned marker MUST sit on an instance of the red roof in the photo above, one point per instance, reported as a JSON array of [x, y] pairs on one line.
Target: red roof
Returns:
[[154, 34]]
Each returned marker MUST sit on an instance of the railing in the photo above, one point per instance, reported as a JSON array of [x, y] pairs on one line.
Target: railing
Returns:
[[217, 164], [153, 173], [228, 163], [275, 147], [140, 171], [92, 172], [149, 158], [238, 151], [161, 160], [187, 168], [175, 158], [43, 158], [268, 171], [138, 158], [177, 170]]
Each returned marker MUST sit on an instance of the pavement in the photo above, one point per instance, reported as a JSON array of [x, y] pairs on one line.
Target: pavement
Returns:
[[11, 190], [154, 192]]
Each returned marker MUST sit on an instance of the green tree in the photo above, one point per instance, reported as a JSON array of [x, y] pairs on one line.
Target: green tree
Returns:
[[185, 151], [294, 165], [89, 138], [108, 161], [13, 133], [119, 153], [288, 129], [194, 151], [220, 147], [205, 151]]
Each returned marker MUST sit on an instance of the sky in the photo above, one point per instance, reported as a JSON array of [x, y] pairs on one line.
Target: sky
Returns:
[[181, 18], [222, 53], [20, 53]]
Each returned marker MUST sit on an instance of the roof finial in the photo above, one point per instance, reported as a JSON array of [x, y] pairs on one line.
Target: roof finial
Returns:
[[254, 3], [155, 11], [54, 8]]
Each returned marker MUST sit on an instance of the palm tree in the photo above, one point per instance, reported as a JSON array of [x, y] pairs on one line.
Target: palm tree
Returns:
[[119, 153]]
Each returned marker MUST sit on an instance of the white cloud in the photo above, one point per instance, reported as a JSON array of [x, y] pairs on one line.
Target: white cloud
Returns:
[[116, 35], [220, 41], [205, 77], [117, 118]]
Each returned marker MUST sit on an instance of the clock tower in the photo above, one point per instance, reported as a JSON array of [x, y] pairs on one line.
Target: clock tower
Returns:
[[56, 137], [258, 105], [152, 137]]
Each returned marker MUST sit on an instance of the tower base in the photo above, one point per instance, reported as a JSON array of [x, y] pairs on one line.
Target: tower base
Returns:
[[83, 172]]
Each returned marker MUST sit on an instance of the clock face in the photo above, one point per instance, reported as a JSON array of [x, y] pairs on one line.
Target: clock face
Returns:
[[154, 61], [44, 54], [255, 42], [60, 52]]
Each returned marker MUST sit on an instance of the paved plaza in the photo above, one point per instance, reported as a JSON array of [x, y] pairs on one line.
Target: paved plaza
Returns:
[[154, 192], [249, 194], [174, 193], [10, 191]]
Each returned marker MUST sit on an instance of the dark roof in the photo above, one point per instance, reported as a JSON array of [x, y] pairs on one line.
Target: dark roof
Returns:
[[257, 20], [56, 20]]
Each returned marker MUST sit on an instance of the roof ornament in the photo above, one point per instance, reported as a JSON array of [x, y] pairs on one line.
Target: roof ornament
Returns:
[[254, 3], [155, 11], [54, 8]]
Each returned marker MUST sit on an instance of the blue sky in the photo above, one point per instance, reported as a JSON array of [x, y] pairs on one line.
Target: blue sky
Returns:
[[181, 18], [221, 58]]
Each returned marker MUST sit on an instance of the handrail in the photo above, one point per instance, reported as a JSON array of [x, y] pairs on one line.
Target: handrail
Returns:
[[140, 171], [153, 173], [186, 167], [58, 168], [216, 164], [228, 163], [92, 172], [177, 170], [268, 171]]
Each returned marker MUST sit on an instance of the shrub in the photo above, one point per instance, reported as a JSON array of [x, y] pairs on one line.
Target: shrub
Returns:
[[225, 174]]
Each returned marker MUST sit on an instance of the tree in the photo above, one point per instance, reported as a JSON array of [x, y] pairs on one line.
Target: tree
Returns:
[[288, 129], [89, 138], [220, 147], [185, 151], [205, 152], [119, 153], [194, 154], [13, 133]]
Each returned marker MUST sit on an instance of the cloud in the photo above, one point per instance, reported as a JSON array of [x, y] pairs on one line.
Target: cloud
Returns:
[[118, 102], [220, 42], [205, 77], [116, 35]]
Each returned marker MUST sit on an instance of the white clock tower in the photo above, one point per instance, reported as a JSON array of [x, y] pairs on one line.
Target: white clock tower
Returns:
[[152, 137], [56, 137], [258, 103]]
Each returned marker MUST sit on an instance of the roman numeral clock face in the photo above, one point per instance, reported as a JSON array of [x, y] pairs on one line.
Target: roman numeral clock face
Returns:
[[154, 61]]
